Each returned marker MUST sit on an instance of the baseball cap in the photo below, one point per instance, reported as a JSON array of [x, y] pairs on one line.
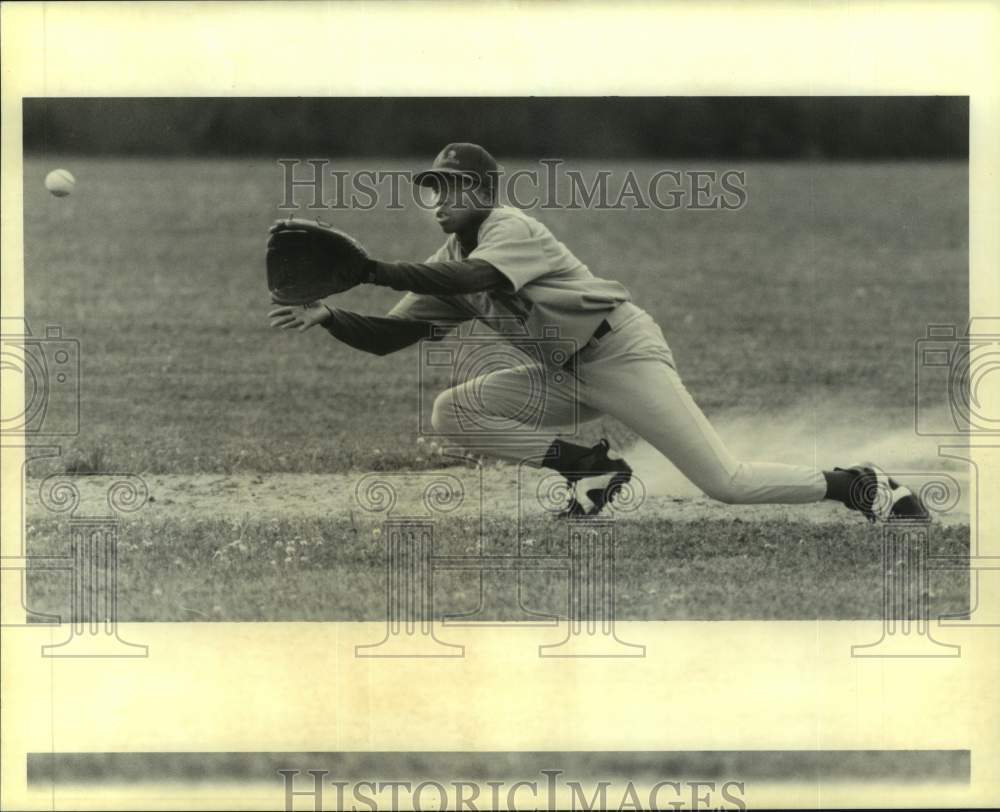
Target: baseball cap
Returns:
[[460, 160]]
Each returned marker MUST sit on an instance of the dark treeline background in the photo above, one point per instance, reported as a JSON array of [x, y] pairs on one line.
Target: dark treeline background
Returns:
[[854, 127]]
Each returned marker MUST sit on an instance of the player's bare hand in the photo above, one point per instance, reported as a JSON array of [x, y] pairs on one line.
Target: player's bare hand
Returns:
[[299, 317]]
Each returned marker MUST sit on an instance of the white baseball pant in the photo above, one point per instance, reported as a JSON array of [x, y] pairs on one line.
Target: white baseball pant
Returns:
[[629, 374]]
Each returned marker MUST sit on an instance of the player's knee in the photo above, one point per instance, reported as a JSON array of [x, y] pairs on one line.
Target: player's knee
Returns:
[[726, 490], [443, 417]]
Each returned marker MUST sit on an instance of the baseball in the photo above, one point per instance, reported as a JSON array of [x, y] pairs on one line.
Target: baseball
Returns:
[[60, 182]]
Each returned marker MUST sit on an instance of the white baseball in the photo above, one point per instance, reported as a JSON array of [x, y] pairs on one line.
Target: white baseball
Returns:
[[60, 182]]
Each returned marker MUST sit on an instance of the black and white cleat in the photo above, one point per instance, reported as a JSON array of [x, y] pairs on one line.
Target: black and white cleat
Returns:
[[596, 482], [879, 497]]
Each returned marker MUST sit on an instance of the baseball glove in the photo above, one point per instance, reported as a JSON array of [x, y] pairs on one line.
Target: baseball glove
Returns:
[[308, 260]]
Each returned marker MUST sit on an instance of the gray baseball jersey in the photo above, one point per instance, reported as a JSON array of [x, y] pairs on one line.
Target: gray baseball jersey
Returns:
[[550, 287]]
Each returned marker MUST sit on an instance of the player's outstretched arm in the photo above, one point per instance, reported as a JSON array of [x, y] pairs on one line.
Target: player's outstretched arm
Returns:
[[379, 335], [440, 278]]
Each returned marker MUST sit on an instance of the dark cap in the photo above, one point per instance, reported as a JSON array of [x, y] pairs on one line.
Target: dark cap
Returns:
[[461, 160]]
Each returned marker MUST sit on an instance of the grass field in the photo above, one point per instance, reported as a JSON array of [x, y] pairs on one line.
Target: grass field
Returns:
[[795, 314], [327, 569]]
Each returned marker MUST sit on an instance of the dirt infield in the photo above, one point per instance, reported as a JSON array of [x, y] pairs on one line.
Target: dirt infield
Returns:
[[495, 489]]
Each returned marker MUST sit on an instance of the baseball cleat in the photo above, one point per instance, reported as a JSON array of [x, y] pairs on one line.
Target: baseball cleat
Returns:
[[596, 480], [880, 498]]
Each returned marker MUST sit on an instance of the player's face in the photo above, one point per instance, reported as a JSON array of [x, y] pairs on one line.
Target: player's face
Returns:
[[456, 206]]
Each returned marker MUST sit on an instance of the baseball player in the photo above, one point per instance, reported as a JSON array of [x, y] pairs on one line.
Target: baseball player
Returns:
[[498, 264]]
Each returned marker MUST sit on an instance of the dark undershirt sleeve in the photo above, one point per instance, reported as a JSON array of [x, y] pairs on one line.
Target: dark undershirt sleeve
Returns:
[[449, 277], [379, 335]]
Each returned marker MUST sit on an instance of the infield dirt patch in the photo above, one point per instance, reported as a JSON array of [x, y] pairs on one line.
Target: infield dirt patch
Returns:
[[255, 496]]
